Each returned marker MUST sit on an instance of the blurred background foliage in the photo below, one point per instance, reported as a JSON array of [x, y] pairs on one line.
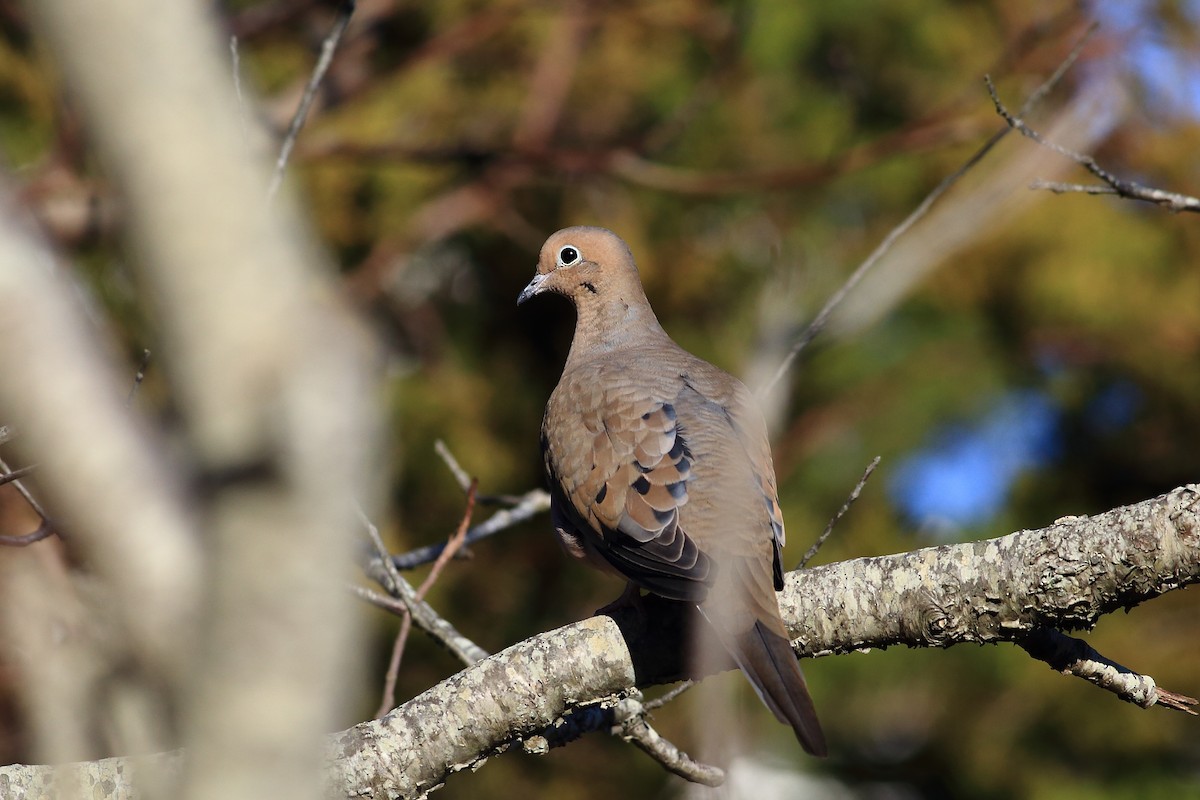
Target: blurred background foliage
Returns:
[[751, 154]]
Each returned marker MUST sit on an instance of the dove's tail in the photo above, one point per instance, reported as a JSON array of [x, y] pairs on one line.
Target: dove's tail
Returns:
[[767, 659]]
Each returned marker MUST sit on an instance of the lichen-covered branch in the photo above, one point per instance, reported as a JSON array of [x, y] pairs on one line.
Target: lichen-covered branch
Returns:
[[1072, 656], [1065, 576]]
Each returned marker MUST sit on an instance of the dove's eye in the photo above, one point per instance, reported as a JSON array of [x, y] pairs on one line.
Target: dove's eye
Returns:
[[567, 256]]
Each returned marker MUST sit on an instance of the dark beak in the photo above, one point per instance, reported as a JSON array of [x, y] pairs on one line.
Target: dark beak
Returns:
[[534, 287]]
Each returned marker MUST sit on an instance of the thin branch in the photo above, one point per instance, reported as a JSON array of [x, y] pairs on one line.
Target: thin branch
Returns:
[[858, 487], [29, 498], [388, 702], [822, 319], [16, 474], [631, 725], [387, 699], [1072, 656], [382, 571], [426, 619], [328, 47], [464, 482], [1130, 190], [1058, 187], [460, 474], [454, 543], [531, 503], [659, 702], [626, 718], [42, 531], [236, 65]]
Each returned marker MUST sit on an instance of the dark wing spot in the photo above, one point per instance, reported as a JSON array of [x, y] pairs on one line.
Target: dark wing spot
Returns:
[[678, 448], [641, 484], [603, 493]]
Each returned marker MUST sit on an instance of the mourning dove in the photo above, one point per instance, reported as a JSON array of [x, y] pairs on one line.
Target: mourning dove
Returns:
[[660, 470]]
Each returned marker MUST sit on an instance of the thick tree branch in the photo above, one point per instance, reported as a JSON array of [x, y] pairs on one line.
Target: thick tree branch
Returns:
[[1065, 576]]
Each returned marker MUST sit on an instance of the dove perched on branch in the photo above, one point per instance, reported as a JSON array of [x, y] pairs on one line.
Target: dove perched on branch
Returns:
[[660, 470]]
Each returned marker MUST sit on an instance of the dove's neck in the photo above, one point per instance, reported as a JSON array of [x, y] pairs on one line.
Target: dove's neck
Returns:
[[603, 327]]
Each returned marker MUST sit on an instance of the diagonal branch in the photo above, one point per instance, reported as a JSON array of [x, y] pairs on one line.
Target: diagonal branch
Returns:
[[1113, 185], [328, 47], [452, 546], [823, 316], [528, 505], [1072, 656], [404, 599]]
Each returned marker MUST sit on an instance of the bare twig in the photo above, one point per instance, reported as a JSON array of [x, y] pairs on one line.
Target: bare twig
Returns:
[[328, 47], [464, 482], [460, 474], [456, 539], [236, 65], [630, 718], [659, 702], [16, 474], [41, 532], [1131, 190], [425, 618], [531, 503], [858, 487], [822, 318], [1072, 656], [383, 572], [625, 717], [29, 498], [455, 542]]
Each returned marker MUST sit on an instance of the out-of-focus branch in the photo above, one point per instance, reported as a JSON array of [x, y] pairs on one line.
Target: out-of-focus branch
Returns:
[[822, 318], [328, 47], [268, 371], [1130, 190], [105, 479], [44, 529]]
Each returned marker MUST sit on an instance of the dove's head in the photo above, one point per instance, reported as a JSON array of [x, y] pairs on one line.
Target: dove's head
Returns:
[[585, 264]]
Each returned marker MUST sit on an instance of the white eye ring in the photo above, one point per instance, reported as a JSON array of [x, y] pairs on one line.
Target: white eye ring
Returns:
[[568, 255]]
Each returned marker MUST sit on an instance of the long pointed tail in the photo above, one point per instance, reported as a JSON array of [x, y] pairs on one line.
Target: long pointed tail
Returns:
[[767, 659]]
